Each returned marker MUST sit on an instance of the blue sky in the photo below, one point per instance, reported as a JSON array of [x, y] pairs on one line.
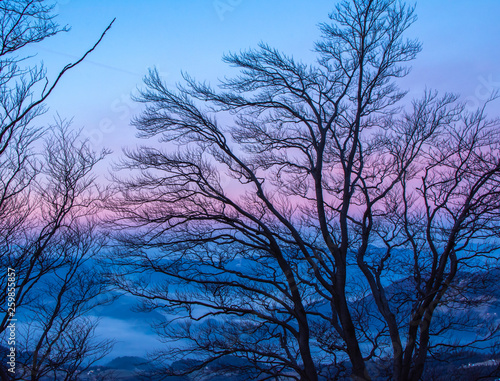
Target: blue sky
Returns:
[[460, 54], [460, 40]]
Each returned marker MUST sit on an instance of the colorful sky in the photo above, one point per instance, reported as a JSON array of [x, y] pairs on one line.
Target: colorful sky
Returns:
[[461, 53]]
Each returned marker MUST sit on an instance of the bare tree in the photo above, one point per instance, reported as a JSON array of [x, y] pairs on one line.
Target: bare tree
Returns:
[[308, 216], [45, 198], [62, 196], [64, 283], [60, 342], [53, 253], [24, 89]]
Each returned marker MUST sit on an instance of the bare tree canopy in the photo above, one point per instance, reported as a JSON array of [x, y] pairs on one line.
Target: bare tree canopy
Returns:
[[306, 220], [48, 212], [51, 238]]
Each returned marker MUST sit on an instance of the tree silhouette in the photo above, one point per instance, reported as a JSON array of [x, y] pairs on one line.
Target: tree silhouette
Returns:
[[48, 199], [51, 249], [303, 215], [58, 280]]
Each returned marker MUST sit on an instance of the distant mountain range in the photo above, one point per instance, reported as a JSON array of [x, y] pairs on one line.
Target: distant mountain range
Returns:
[[466, 363]]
